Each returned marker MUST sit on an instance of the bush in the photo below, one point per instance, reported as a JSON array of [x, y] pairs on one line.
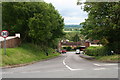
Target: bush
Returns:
[[97, 51], [68, 48], [115, 46], [64, 47]]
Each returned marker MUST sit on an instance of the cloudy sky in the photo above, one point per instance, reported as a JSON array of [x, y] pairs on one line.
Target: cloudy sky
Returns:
[[72, 13]]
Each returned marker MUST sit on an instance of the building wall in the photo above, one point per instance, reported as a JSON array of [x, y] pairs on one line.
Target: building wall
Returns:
[[87, 44], [11, 43]]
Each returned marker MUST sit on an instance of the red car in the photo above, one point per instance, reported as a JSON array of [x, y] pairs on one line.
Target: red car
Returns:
[[63, 51]]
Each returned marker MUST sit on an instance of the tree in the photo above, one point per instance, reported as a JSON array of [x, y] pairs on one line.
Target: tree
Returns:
[[103, 23], [47, 26], [15, 17], [37, 22], [76, 38]]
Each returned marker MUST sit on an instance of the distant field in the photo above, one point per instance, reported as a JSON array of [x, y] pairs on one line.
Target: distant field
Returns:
[[72, 28]]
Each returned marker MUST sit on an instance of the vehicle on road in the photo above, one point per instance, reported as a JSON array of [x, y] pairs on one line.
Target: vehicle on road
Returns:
[[63, 51], [77, 51]]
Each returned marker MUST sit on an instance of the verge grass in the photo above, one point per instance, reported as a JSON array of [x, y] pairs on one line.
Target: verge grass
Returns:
[[110, 58], [26, 53]]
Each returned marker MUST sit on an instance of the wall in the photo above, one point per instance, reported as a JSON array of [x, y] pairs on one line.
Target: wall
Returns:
[[87, 44], [11, 43]]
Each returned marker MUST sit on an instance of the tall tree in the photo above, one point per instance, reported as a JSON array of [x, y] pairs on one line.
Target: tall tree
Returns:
[[37, 22], [76, 38], [103, 23]]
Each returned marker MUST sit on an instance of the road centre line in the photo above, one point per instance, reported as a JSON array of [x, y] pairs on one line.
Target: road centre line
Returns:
[[69, 66]]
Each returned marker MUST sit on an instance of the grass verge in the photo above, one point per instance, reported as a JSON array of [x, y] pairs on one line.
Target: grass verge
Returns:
[[26, 53], [110, 58]]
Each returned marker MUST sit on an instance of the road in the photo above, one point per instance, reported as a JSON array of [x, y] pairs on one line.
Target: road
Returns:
[[68, 65]]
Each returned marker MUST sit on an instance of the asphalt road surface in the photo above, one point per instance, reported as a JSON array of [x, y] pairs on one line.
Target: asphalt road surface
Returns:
[[68, 65]]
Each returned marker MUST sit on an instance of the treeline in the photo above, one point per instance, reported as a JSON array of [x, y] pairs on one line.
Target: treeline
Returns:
[[73, 36], [103, 23], [37, 22], [71, 29]]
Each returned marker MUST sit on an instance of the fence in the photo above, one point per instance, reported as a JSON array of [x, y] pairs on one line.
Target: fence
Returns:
[[11, 43]]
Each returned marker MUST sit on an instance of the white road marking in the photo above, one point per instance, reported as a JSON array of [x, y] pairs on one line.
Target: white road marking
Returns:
[[69, 66], [109, 64], [105, 64], [96, 64]]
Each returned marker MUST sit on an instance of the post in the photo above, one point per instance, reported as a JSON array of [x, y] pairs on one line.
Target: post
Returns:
[[5, 46], [46, 53], [4, 34]]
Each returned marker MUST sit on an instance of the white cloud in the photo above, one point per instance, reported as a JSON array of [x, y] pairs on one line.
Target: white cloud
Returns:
[[71, 12]]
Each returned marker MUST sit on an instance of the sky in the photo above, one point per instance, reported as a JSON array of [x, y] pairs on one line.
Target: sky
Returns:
[[69, 10]]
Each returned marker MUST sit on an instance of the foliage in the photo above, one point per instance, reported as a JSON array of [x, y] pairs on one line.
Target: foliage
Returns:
[[98, 51], [46, 26], [64, 48], [37, 22], [14, 18], [76, 38], [68, 48], [71, 35], [27, 53], [103, 23]]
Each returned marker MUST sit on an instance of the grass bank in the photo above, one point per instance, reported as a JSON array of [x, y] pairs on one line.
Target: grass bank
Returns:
[[110, 58], [26, 53], [100, 53]]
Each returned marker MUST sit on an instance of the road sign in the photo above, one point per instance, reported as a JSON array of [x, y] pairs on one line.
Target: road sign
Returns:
[[4, 33]]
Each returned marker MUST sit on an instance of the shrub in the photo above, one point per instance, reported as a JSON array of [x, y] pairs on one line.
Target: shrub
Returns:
[[68, 48], [64, 47], [97, 51]]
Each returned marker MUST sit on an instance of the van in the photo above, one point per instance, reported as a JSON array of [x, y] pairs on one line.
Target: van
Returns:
[[77, 51]]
